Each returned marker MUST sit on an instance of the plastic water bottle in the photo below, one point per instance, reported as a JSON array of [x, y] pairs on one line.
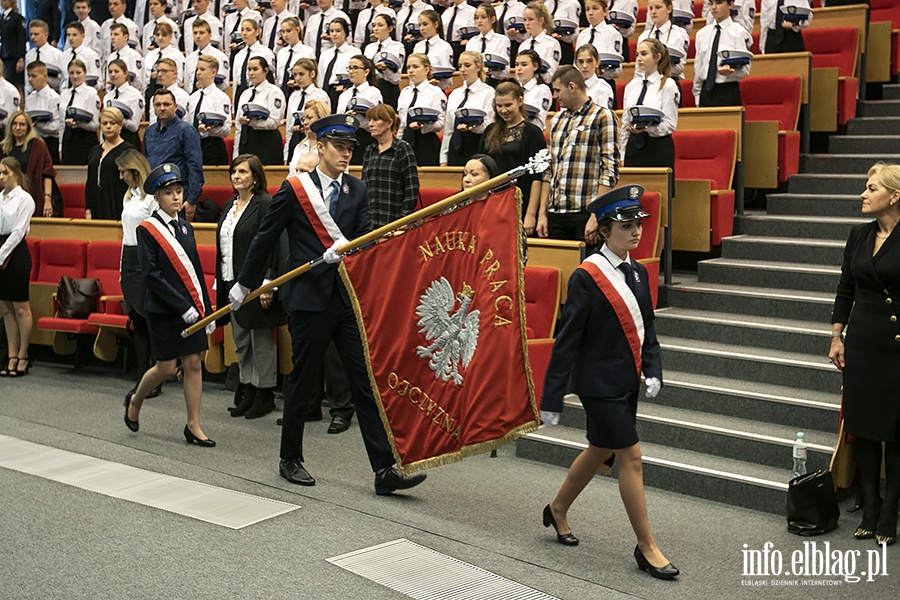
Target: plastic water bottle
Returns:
[[799, 455]]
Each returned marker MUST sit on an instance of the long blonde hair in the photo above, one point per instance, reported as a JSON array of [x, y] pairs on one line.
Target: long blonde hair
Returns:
[[134, 162], [16, 169], [9, 141]]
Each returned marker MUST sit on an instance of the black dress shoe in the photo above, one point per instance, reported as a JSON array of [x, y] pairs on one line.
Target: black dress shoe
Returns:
[[279, 421], [394, 480], [667, 572], [339, 424], [566, 539], [293, 471], [190, 438], [132, 425]]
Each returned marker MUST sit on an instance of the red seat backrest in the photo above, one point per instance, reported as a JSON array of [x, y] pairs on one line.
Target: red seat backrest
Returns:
[[705, 154], [775, 98], [687, 93], [229, 146], [541, 299], [431, 196], [754, 48], [885, 10], [220, 194], [642, 15], [620, 93], [103, 264], [698, 9], [73, 200], [650, 201], [632, 48], [207, 256], [34, 250], [692, 48], [833, 47], [62, 257]]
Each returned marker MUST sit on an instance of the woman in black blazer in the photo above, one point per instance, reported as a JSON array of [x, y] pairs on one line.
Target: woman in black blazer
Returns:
[[606, 340], [176, 297], [869, 356], [251, 325]]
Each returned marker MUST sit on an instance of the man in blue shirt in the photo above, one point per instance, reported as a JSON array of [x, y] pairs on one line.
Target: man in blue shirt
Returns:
[[172, 140]]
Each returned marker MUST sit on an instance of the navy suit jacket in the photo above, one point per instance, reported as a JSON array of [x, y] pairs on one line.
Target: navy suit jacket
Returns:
[[313, 290], [166, 293], [591, 346]]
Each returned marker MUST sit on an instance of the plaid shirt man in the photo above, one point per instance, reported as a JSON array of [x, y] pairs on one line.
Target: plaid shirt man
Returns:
[[584, 155]]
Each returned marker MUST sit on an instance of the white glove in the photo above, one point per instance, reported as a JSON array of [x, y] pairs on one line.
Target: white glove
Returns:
[[190, 316], [550, 418], [653, 386], [331, 256], [237, 295], [210, 327]]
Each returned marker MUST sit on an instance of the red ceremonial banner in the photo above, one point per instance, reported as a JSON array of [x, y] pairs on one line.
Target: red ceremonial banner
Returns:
[[441, 313]]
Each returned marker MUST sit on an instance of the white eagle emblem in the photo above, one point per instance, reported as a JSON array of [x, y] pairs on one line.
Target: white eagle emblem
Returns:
[[453, 336]]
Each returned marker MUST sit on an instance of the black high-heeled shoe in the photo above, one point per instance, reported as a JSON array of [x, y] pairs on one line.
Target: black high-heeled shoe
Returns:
[[21, 372], [668, 572], [566, 539], [11, 362], [190, 438], [132, 425]]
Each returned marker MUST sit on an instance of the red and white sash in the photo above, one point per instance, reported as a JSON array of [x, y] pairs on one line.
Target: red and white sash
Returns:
[[622, 300], [179, 259], [312, 203]]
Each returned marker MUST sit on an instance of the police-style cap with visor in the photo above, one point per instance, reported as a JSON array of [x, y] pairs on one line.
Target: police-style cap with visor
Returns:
[[621, 204], [162, 176], [336, 127]]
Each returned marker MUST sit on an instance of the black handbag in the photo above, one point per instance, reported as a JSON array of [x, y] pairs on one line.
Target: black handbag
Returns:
[[77, 298], [812, 507]]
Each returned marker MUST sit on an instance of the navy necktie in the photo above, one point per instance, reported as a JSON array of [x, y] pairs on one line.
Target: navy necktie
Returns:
[[273, 34], [244, 69], [501, 24], [456, 139], [483, 44], [285, 88], [330, 68], [409, 135], [640, 99], [779, 19], [713, 67], [334, 198], [319, 36], [626, 268], [197, 110], [593, 33], [427, 47], [449, 31], [245, 129]]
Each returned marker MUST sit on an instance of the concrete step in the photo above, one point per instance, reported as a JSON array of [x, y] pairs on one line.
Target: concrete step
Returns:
[[806, 337], [780, 275], [820, 205], [890, 91], [695, 474], [752, 400], [758, 442], [817, 183], [845, 163], [745, 363], [879, 108], [863, 144], [809, 227], [874, 126], [796, 250], [690, 294]]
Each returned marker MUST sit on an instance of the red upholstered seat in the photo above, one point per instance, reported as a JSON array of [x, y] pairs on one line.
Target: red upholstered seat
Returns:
[[620, 93], [229, 146], [77, 326], [34, 250], [649, 249], [687, 93], [98, 319], [429, 196], [837, 47], [710, 155], [541, 301], [755, 47], [776, 98], [888, 10], [73, 200], [220, 194], [62, 257], [207, 256]]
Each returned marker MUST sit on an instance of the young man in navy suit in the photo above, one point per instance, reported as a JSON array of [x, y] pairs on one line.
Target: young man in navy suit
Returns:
[[321, 211]]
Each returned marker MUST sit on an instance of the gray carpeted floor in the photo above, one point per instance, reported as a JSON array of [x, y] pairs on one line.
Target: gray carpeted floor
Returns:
[[63, 542]]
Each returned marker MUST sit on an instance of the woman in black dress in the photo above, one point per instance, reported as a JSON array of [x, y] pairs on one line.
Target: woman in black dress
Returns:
[[176, 297], [511, 140], [869, 356], [16, 208], [104, 189]]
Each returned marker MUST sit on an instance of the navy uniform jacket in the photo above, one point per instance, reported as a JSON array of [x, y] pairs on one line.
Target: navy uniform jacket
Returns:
[[311, 291], [592, 346], [166, 293]]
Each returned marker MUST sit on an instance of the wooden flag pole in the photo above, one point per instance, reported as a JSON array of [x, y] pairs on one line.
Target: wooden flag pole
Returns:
[[536, 165]]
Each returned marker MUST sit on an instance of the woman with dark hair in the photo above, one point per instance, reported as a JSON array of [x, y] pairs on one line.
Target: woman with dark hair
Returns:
[[16, 208], [261, 110], [538, 97], [334, 61], [251, 48], [252, 324], [433, 45], [477, 170], [105, 190], [357, 99], [389, 55], [389, 168], [511, 140], [126, 99], [421, 107], [21, 142], [490, 43]]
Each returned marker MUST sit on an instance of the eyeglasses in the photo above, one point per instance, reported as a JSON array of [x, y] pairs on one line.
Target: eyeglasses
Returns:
[[355, 68]]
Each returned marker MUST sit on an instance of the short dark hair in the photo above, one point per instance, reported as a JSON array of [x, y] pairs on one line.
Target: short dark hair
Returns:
[[164, 92], [256, 169], [567, 74], [76, 25]]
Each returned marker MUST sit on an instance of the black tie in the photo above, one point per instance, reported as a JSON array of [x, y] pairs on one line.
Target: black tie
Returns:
[[409, 135], [273, 34], [779, 19], [483, 44], [405, 23], [427, 47], [450, 25], [501, 24], [146, 10], [285, 88], [553, 10], [295, 135], [532, 43], [116, 96], [353, 99], [330, 68], [640, 100], [368, 30], [713, 68], [37, 55], [237, 22], [244, 69], [197, 110], [593, 33], [245, 130], [67, 134], [657, 33], [625, 267], [456, 140], [319, 37]]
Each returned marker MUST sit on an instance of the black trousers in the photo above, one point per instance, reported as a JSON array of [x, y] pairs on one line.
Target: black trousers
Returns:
[[214, 152], [333, 387], [568, 226], [792, 41], [311, 333], [722, 94]]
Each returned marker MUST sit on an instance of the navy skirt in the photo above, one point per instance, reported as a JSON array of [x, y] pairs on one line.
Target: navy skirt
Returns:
[[610, 421], [166, 342]]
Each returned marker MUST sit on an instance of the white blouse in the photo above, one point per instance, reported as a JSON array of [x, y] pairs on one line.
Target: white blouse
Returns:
[[599, 91], [363, 90], [265, 94], [672, 36], [606, 38], [492, 43], [665, 99], [226, 240], [539, 96], [429, 95], [16, 209], [547, 48], [481, 96], [394, 47], [136, 208]]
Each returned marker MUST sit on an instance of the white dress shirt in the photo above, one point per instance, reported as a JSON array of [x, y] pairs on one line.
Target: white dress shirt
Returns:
[[566, 9], [318, 25], [93, 36], [92, 62], [214, 100], [16, 210], [465, 17], [233, 23], [373, 51], [50, 56], [429, 95], [607, 39], [733, 37], [742, 13], [626, 6], [45, 99], [363, 90], [294, 114], [539, 96], [133, 99], [150, 28], [506, 11], [687, 5], [362, 35], [547, 48], [226, 240], [135, 63], [672, 36], [768, 15], [257, 49], [344, 54], [10, 101], [325, 181], [600, 91], [481, 96], [408, 13], [665, 99], [136, 209], [440, 53], [86, 98], [190, 67], [170, 52], [286, 58], [268, 95], [134, 34], [215, 30], [493, 43]]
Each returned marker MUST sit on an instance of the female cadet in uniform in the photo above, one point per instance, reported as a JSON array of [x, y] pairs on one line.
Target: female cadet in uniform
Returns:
[[539, 26], [569, 10], [490, 42], [604, 37], [778, 34], [256, 134], [537, 95], [241, 64], [629, 7], [16, 210], [461, 140], [420, 94], [80, 108], [176, 297], [432, 45], [652, 145], [127, 99], [362, 80], [306, 73], [587, 59], [335, 60], [388, 74], [870, 354], [663, 29], [605, 364]]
